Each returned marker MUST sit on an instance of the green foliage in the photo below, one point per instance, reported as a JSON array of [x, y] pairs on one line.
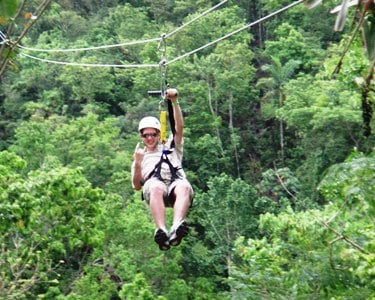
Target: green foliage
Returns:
[[314, 104], [34, 142], [49, 222], [369, 36], [94, 285], [8, 8], [12, 210], [260, 106], [281, 190], [138, 289], [228, 210], [329, 251], [73, 201], [205, 164], [83, 85], [273, 86], [326, 104], [213, 26], [289, 44], [85, 142], [316, 24], [351, 182]]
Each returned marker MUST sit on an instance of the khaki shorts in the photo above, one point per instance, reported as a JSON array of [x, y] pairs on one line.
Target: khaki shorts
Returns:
[[169, 197]]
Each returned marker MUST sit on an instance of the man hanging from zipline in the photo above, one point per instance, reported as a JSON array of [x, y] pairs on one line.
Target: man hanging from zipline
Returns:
[[157, 169]]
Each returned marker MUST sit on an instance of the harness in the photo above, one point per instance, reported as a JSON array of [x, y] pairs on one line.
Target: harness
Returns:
[[156, 172], [158, 167], [164, 155]]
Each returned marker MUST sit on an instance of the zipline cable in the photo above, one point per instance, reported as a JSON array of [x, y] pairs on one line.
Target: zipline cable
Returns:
[[4, 38], [179, 57], [90, 65], [167, 35], [91, 48], [195, 19], [237, 31]]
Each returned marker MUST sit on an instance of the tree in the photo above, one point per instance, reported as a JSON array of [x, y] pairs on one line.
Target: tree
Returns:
[[226, 211], [274, 91], [128, 262], [7, 49], [364, 23], [8, 9], [232, 75], [86, 142], [48, 226], [75, 128], [281, 189], [291, 44], [316, 253], [220, 92], [138, 289], [326, 114]]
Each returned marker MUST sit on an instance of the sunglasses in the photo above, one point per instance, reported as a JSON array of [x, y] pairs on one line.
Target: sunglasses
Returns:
[[146, 135]]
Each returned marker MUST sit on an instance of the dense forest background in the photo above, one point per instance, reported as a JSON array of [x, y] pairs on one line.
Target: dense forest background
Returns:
[[279, 147]]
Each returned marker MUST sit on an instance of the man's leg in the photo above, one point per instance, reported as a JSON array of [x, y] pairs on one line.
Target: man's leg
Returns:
[[183, 195], [181, 206], [157, 206], [156, 191]]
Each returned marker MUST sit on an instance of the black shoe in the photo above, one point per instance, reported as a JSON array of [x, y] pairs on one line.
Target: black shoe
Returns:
[[162, 239], [178, 234]]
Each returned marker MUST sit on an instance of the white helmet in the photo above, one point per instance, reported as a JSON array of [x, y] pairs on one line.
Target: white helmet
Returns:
[[149, 122]]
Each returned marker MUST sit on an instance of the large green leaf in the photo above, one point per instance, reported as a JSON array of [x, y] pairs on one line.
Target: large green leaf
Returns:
[[369, 36], [8, 8]]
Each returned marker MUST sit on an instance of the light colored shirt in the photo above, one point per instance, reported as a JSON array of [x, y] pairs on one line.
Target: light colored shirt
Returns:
[[151, 158]]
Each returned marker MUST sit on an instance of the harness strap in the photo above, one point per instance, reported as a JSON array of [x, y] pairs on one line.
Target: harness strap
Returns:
[[157, 170], [172, 122], [164, 156], [164, 159]]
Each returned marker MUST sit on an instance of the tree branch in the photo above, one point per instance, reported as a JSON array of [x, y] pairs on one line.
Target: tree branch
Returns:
[[282, 183], [12, 45], [340, 236]]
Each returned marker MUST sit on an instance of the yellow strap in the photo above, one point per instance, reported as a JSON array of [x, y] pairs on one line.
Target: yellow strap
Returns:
[[163, 123]]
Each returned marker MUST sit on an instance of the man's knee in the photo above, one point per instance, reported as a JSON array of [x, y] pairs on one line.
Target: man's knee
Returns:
[[154, 189], [157, 189], [183, 186], [184, 189]]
